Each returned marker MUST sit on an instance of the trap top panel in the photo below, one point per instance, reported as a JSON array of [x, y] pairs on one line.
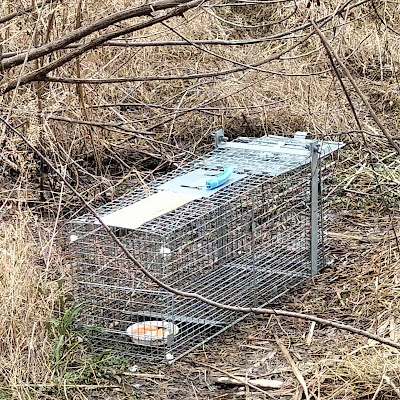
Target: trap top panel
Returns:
[[271, 155], [253, 161]]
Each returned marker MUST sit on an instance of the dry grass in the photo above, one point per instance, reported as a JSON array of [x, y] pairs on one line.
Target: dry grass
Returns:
[[28, 293], [361, 285]]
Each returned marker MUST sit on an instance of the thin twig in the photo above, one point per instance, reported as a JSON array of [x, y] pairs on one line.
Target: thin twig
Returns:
[[293, 366]]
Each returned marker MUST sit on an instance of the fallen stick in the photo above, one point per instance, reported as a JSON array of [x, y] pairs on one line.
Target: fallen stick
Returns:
[[241, 380], [310, 334], [294, 367], [145, 376]]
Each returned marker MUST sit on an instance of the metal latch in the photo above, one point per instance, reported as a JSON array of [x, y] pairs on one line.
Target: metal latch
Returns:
[[219, 138]]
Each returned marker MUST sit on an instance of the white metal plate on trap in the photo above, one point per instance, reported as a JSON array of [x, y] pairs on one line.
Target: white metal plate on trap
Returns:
[[135, 215]]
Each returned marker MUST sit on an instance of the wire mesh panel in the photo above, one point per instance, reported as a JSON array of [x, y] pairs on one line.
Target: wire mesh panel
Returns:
[[243, 243]]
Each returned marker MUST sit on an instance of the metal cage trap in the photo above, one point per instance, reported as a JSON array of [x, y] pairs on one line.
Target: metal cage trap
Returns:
[[240, 226]]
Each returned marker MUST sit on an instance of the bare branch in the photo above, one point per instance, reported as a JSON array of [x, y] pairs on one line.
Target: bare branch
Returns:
[[101, 81], [165, 43], [287, 35], [23, 11], [80, 33], [40, 73]]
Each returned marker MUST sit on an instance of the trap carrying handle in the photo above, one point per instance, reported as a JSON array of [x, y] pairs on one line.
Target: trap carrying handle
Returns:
[[219, 179]]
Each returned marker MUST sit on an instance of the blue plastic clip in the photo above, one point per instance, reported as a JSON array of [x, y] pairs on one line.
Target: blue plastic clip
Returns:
[[220, 179]]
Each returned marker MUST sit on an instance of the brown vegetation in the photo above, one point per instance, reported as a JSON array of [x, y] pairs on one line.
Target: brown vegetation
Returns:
[[116, 92]]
